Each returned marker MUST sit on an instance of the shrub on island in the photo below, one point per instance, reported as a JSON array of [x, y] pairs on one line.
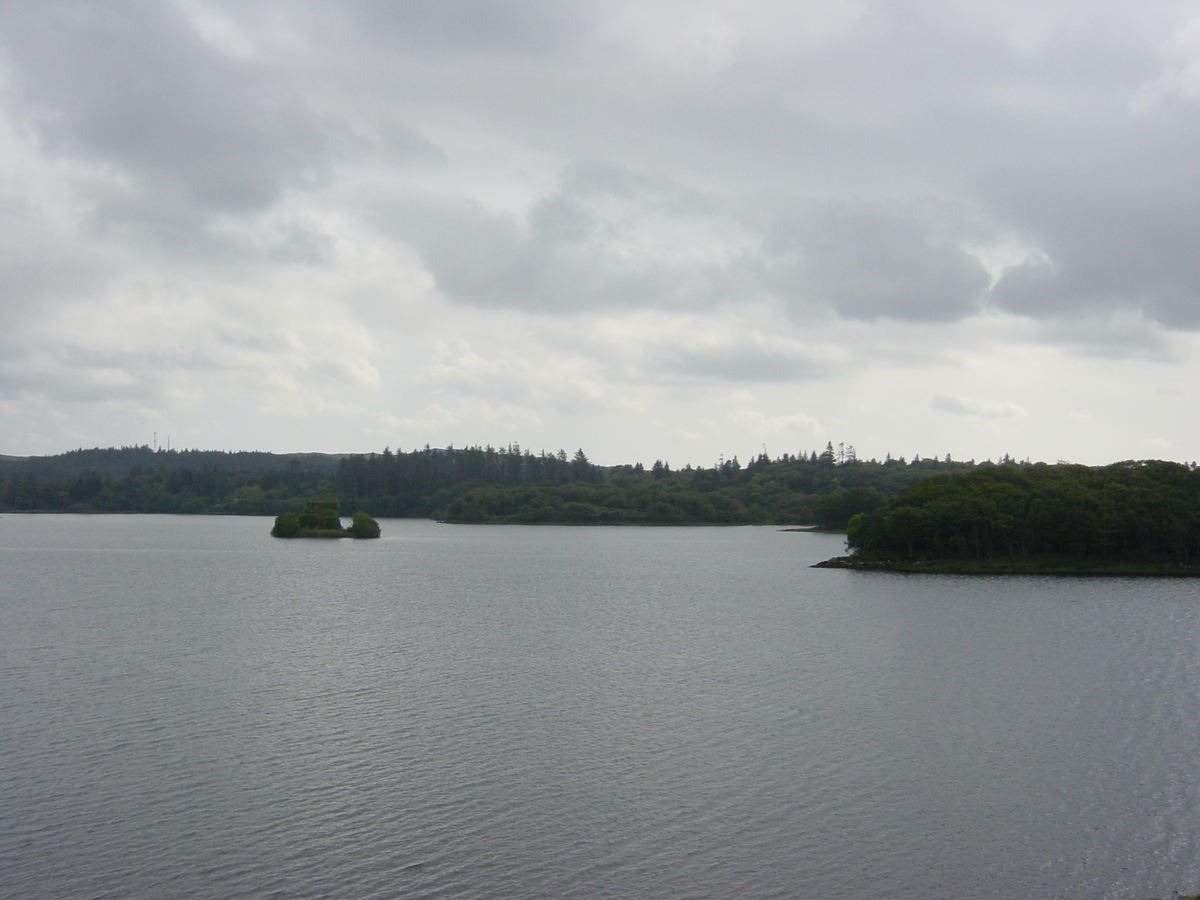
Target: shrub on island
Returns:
[[287, 525], [363, 526], [321, 515]]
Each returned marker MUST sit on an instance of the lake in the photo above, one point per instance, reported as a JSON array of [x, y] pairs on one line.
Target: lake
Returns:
[[192, 709]]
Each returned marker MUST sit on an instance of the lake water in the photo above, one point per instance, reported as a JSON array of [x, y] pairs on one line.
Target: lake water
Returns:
[[192, 709]]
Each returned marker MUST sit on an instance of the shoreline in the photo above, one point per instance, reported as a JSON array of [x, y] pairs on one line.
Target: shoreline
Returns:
[[1032, 566]]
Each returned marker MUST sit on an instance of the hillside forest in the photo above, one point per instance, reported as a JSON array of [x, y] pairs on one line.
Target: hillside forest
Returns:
[[467, 485]]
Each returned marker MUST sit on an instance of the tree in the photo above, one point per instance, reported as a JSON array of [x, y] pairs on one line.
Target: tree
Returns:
[[321, 514], [581, 467], [287, 525], [363, 526], [87, 485], [836, 509]]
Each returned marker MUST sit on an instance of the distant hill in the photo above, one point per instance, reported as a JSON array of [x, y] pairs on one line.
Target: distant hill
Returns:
[[118, 462], [467, 485]]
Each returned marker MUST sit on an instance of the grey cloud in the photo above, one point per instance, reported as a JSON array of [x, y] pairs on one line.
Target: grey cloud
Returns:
[[957, 107], [1105, 186], [611, 237], [1122, 334], [1111, 247], [606, 238], [816, 162], [397, 141], [39, 271], [875, 260], [132, 85], [744, 360], [42, 264], [78, 369], [969, 406], [70, 375], [474, 253], [477, 25], [299, 242]]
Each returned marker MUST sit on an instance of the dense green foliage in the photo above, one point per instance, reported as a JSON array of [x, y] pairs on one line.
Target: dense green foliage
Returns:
[[322, 515], [483, 485], [1146, 510], [138, 479], [321, 518], [476, 484], [286, 525], [425, 482], [114, 462], [363, 526]]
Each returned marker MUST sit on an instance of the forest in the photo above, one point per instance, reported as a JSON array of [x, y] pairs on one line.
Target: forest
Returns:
[[1147, 511], [467, 485]]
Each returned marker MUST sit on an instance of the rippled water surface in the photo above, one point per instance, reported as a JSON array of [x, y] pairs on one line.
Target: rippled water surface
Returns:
[[190, 708]]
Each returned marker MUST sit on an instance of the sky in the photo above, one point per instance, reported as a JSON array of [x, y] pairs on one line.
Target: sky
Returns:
[[650, 229]]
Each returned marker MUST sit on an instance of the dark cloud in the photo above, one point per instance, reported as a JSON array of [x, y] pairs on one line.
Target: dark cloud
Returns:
[[191, 129], [606, 238], [611, 237], [456, 26], [132, 86], [1123, 242], [875, 260]]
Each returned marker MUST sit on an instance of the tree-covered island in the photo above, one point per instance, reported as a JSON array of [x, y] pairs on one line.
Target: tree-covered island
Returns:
[[1130, 518], [322, 519]]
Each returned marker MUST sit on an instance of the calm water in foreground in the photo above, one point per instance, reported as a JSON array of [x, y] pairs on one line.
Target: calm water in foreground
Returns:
[[191, 709]]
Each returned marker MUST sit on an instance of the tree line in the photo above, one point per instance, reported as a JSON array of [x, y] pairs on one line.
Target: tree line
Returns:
[[473, 484]]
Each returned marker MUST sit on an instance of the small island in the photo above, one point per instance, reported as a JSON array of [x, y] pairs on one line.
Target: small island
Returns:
[[1130, 518], [322, 519]]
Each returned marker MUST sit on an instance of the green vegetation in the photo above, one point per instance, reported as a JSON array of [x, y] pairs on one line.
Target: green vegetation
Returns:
[[363, 526], [321, 518], [1127, 518], [138, 479], [286, 525], [485, 485], [925, 514], [474, 484]]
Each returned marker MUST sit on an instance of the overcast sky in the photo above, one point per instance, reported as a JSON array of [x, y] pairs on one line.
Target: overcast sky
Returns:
[[674, 230]]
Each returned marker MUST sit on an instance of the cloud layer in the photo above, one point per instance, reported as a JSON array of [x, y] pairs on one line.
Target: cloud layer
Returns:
[[652, 229]]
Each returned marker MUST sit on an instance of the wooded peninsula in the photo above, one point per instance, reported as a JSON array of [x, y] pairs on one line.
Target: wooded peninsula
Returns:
[[1123, 519]]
